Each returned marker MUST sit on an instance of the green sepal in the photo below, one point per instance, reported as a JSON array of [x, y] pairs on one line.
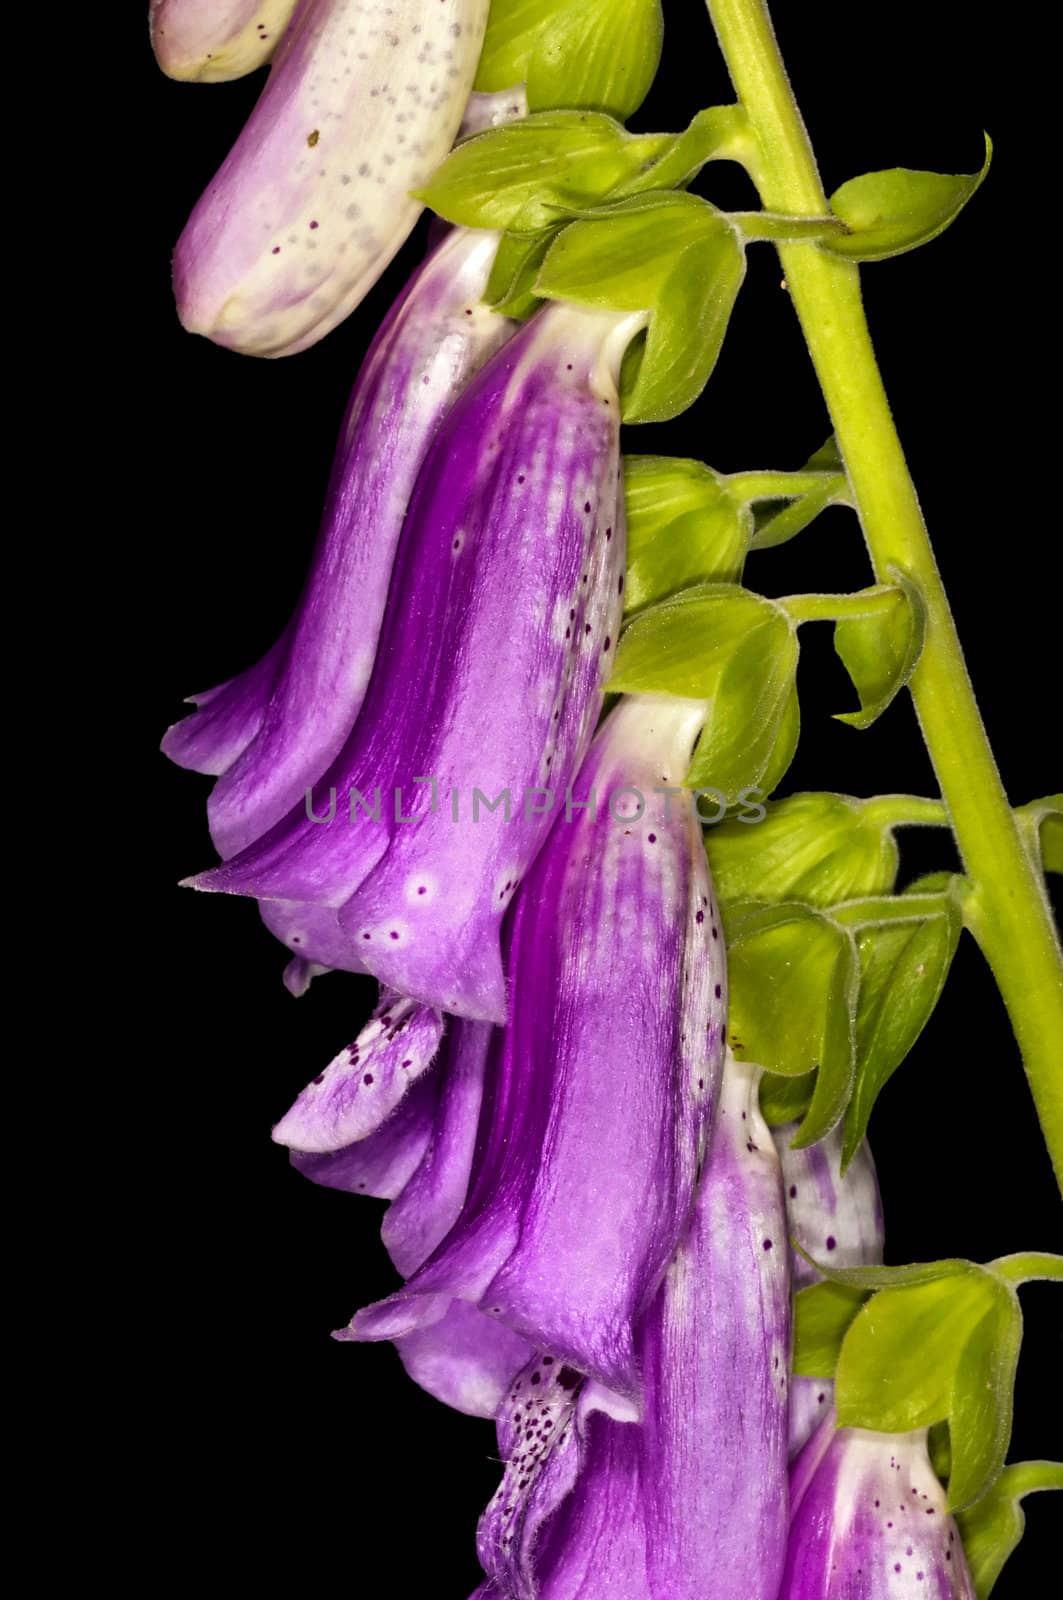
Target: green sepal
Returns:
[[792, 978], [890, 212], [897, 1363], [751, 733], [682, 645], [938, 1342], [981, 1402], [676, 258], [819, 848], [784, 1099], [823, 1314], [992, 1527], [719, 642], [600, 53], [903, 967], [532, 174], [880, 652], [511, 283], [683, 527]]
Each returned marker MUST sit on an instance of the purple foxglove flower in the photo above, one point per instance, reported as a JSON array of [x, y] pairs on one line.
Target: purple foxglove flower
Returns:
[[419, 1156], [836, 1219], [600, 1090], [314, 199], [871, 1522], [270, 733], [214, 40], [690, 1503], [498, 634]]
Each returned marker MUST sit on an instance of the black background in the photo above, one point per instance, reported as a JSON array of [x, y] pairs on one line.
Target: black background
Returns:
[[284, 1454]]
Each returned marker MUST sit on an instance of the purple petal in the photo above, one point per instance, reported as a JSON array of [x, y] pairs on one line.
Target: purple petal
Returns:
[[430, 1203], [274, 731], [600, 1091], [227, 718], [361, 1087], [213, 41], [383, 1163], [506, 595], [314, 198], [691, 1503], [466, 1359], [836, 1219], [873, 1525]]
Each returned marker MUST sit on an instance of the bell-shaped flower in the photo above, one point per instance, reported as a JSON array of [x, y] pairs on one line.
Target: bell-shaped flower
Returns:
[[837, 1219], [600, 1090], [270, 733], [870, 1522], [316, 195], [213, 40], [498, 634], [690, 1502], [416, 1149]]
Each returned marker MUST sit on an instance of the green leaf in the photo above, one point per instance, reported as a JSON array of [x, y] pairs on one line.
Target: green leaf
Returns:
[[903, 967], [822, 1315], [880, 652], [897, 210], [600, 53], [899, 1360], [819, 848], [785, 1099], [682, 646], [671, 255], [792, 990], [993, 1526], [981, 1402], [683, 528], [751, 713]]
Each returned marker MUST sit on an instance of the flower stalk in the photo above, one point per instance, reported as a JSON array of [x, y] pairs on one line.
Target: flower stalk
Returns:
[[1007, 909]]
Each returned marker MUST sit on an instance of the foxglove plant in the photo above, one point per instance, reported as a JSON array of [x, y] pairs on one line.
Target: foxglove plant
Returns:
[[211, 41], [314, 198], [506, 595], [564, 1266]]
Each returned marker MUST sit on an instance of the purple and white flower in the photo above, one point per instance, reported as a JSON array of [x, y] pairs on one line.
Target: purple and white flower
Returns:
[[870, 1522], [362, 102], [271, 732], [600, 1090], [498, 635]]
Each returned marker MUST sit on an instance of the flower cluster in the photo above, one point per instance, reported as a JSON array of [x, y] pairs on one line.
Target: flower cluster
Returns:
[[422, 781]]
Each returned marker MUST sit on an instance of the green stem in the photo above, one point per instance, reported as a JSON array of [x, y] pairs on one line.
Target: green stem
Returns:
[[750, 486], [1007, 909], [905, 811], [835, 607], [1029, 1267]]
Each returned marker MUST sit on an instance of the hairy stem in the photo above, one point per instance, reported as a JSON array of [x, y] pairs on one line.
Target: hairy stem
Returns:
[[1007, 908]]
